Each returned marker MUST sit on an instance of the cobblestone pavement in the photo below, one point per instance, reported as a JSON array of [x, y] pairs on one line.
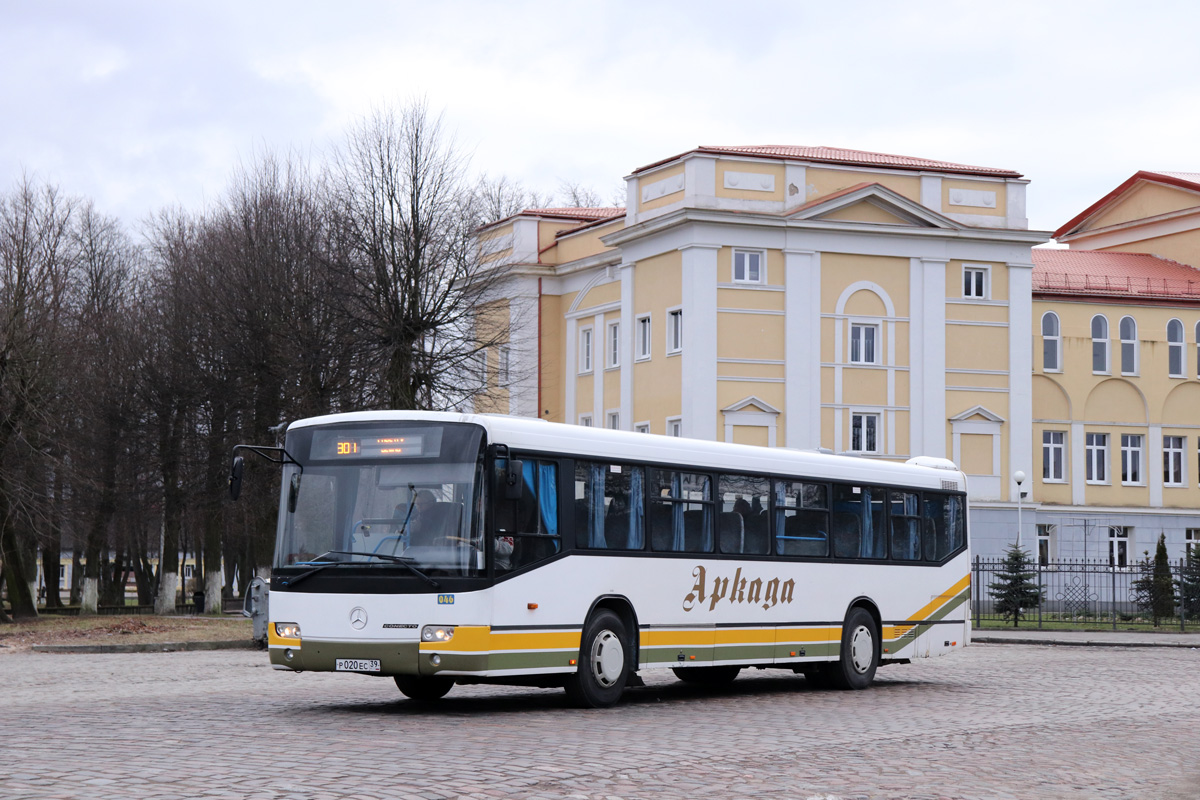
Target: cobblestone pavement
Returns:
[[996, 721]]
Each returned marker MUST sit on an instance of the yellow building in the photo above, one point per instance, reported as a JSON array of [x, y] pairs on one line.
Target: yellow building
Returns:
[[1116, 395], [786, 296]]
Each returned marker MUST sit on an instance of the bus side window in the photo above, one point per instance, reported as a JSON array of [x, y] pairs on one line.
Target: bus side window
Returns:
[[801, 519], [527, 528], [944, 526], [742, 515], [847, 521], [679, 510], [906, 526], [609, 509]]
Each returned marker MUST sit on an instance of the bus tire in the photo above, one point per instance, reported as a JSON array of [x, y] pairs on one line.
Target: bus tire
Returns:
[[707, 676], [424, 688], [859, 658], [603, 663]]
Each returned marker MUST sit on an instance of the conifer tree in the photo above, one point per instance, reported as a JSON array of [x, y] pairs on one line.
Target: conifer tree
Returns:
[[1014, 589], [1189, 583], [1155, 590]]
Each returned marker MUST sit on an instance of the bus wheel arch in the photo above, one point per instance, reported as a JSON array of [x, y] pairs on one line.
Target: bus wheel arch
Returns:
[[620, 605], [861, 648], [606, 655]]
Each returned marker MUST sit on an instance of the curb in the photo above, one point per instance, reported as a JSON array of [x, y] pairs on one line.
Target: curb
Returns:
[[1082, 643], [151, 647]]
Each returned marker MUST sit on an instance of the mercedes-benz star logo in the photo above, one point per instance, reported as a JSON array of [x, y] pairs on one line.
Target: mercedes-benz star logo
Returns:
[[358, 618]]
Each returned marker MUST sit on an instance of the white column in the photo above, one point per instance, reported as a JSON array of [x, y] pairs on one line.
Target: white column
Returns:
[[627, 338], [916, 365], [1020, 371], [1153, 465], [1078, 465], [931, 192], [523, 309], [932, 358], [699, 384], [571, 377], [802, 349], [599, 335]]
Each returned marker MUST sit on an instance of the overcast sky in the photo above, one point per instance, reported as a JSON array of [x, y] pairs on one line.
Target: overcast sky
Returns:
[[139, 105]]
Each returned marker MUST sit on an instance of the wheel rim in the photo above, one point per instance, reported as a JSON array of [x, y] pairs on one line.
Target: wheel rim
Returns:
[[862, 649], [608, 658]]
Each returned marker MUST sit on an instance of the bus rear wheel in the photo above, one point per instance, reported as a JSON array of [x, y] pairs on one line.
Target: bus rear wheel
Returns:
[[859, 658], [603, 663], [424, 688], [707, 676]]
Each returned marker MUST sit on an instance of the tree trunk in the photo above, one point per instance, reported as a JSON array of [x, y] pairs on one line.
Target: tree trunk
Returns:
[[51, 560], [19, 596], [170, 435], [76, 576]]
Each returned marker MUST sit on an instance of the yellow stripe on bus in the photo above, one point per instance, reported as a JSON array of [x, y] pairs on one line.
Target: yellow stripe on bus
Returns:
[[940, 600], [481, 639]]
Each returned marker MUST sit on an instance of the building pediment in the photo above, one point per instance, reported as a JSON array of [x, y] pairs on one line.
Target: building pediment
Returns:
[[872, 203], [1145, 196], [977, 414], [751, 404]]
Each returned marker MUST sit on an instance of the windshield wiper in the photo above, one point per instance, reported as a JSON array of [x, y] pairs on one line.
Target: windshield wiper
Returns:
[[405, 562]]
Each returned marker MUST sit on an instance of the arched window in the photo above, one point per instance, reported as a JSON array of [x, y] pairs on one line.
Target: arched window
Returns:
[[1129, 346], [1100, 344], [1175, 348], [1051, 343]]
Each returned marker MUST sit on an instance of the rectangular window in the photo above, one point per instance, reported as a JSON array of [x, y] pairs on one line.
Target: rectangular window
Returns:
[[864, 341], [614, 420], [859, 522], [503, 367], [1045, 534], [585, 420], [906, 525], [1097, 457], [1131, 458], [675, 330], [1119, 541], [609, 509], [1191, 541], [944, 526], [642, 427], [612, 348], [742, 514], [864, 433], [748, 267], [975, 282], [643, 337], [1173, 460], [585, 350], [675, 426], [527, 527], [1053, 456], [679, 511], [801, 519]]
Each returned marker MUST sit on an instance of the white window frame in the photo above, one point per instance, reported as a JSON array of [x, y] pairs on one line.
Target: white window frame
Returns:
[[859, 419], [645, 337], [1191, 540], [1047, 533], [1131, 343], [612, 345], [1176, 350], [585, 420], [762, 266], [1174, 445], [641, 427], [612, 420], [1198, 349], [674, 426], [587, 343], [1052, 447], [984, 284], [674, 330], [1101, 341], [1095, 449], [877, 344], [1133, 455], [503, 366], [1055, 340], [1115, 540]]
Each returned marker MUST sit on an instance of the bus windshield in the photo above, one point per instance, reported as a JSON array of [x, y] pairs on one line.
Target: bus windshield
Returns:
[[373, 494]]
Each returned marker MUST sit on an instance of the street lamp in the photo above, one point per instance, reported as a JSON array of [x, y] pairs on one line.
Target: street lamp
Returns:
[[1019, 477]]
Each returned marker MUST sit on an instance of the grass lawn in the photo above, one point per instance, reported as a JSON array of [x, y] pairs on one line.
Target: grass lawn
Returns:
[[53, 629]]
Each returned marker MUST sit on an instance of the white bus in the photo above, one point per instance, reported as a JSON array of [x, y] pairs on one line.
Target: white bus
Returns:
[[445, 549]]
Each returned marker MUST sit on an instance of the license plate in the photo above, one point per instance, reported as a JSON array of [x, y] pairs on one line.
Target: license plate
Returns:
[[356, 665]]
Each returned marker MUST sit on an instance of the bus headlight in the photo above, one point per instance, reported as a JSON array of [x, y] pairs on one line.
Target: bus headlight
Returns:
[[437, 633], [287, 630]]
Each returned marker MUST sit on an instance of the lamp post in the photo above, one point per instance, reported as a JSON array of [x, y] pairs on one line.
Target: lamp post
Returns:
[[1019, 477]]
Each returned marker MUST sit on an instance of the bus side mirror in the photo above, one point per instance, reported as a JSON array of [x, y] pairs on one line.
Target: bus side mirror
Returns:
[[513, 482], [235, 477], [293, 492]]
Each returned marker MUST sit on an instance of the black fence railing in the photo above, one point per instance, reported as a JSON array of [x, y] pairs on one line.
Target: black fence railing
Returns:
[[1092, 594]]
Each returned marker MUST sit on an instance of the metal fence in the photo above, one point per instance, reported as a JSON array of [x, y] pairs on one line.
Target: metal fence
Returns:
[[1089, 594]]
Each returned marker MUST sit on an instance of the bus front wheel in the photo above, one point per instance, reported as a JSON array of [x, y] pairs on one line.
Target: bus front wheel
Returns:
[[425, 688], [603, 663], [859, 658]]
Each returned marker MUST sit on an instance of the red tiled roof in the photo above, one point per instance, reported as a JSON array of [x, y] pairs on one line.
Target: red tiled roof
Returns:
[[837, 155], [1183, 180], [1109, 274], [576, 213]]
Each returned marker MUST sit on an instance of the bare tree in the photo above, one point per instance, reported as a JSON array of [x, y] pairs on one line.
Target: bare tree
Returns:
[[406, 218], [498, 198]]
